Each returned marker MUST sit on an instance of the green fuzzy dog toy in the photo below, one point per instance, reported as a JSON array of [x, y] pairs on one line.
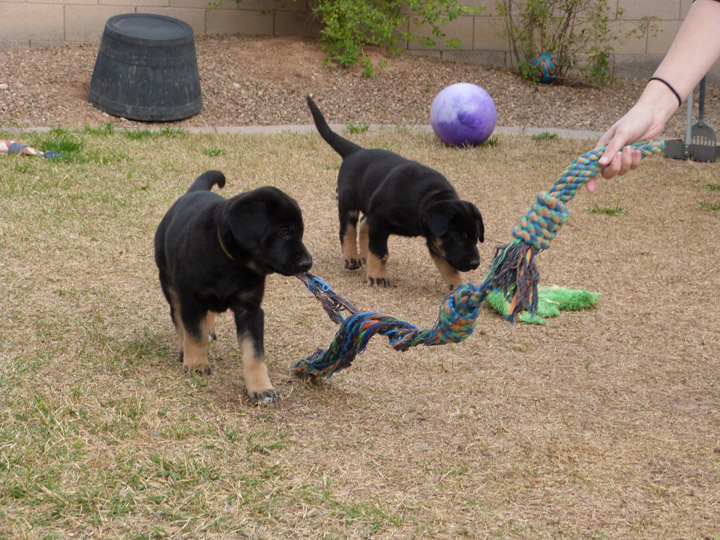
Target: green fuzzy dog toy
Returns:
[[551, 300]]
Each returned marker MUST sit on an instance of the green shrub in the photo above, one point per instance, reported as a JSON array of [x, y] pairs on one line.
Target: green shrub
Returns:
[[349, 26], [568, 29]]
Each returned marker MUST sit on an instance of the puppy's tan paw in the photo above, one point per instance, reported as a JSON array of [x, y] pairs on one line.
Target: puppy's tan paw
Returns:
[[198, 370], [379, 282], [265, 397], [353, 264]]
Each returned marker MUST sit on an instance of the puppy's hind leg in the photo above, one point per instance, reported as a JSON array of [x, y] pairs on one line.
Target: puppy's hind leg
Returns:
[[195, 339], [172, 299], [363, 239], [348, 238]]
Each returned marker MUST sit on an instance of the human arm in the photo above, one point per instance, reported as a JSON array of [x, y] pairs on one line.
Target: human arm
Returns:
[[693, 52]]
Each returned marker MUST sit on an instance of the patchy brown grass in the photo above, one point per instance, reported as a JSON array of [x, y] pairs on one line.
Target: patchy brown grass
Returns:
[[599, 424]]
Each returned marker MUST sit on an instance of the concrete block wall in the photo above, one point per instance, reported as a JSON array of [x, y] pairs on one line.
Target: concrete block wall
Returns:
[[39, 23]]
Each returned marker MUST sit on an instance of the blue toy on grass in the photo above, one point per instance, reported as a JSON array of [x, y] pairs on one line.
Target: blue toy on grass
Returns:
[[463, 114], [543, 67]]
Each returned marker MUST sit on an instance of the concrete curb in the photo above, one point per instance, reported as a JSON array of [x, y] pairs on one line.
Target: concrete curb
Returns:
[[298, 128], [308, 128]]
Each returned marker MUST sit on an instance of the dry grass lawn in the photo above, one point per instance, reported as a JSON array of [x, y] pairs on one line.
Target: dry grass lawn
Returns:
[[603, 423]]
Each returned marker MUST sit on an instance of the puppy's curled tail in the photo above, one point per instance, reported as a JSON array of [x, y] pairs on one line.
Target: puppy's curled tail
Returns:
[[207, 180], [341, 145]]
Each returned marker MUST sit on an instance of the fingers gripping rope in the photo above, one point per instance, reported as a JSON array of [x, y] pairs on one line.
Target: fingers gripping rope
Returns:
[[513, 272]]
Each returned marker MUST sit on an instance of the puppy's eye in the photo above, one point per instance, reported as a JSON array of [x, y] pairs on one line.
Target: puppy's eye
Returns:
[[284, 232]]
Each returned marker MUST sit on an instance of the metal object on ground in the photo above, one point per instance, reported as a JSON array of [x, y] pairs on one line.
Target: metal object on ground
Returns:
[[700, 142]]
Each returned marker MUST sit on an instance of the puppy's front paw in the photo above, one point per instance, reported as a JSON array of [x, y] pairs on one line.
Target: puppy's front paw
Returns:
[[353, 264], [198, 370], [265, 397], [379, 282]]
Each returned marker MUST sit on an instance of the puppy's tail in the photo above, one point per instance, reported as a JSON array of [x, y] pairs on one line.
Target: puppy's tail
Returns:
[[341, 145], [207, 180]]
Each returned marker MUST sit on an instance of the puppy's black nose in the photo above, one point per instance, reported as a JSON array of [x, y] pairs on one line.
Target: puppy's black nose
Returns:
[[304, 262], [469, 264]]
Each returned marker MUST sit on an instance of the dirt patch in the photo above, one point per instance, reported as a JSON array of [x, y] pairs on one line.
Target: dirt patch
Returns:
[[248, 81]]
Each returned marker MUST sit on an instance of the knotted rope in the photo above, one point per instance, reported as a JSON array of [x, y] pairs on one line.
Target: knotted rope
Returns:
[[513, 272]]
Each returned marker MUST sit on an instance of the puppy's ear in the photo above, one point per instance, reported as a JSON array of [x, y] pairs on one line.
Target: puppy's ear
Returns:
[[479, 222], [248, 220], [437, 216]]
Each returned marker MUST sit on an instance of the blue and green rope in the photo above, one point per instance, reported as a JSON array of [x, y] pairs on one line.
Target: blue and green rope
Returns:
[[513, 273]]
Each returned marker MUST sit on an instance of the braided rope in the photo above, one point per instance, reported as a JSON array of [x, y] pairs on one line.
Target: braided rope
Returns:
[[513, 272]]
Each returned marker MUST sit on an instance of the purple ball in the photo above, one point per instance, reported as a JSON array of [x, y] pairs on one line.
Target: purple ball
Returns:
[[463, 114]]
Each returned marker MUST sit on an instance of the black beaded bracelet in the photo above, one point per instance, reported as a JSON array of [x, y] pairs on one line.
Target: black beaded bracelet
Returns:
[[669, 86]]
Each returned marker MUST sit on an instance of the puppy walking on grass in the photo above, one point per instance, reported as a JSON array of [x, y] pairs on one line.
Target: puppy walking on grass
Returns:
[[402, 197], [213, 254]]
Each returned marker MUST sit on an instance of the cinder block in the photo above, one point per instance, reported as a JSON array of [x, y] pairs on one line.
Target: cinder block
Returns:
[[130, 5], [684, 8], [487, 34], [297, 24], [241, 22], [62, 2], [659, 9], [28, 22], [196, 4], [272, 5], [623, 43], [429, 52], [194, 17], [461, 28], [480, 58], [85, 24], [8, 44], [659, 40], [638, 66], [488, 7]]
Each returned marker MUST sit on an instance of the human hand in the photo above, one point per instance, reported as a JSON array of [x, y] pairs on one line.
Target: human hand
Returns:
[[645, 120]]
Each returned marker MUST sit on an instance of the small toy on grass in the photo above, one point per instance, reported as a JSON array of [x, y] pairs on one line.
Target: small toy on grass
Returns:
[[463, 114], [13, 147], [543, 67]]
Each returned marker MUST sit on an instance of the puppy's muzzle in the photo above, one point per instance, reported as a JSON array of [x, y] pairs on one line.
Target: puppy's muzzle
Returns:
[[470, 263], [302, 262]]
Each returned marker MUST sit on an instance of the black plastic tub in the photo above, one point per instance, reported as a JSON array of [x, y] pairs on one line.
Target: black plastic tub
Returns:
[[146, 69]]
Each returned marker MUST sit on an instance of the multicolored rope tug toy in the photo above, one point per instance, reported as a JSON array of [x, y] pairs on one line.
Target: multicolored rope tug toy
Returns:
[[513, 273]]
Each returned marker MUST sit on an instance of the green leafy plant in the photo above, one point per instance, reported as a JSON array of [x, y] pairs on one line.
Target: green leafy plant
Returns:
[[568, 29], [714, 207], [348, 27], [616, 210], [357, 128], [545, 136], [491, 142]]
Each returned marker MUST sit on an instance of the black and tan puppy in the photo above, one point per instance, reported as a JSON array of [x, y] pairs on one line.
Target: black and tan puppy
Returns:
[[402, 197], [213, 254]]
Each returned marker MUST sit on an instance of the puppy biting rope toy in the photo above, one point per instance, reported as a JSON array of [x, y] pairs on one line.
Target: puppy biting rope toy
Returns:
[[513, 272]]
